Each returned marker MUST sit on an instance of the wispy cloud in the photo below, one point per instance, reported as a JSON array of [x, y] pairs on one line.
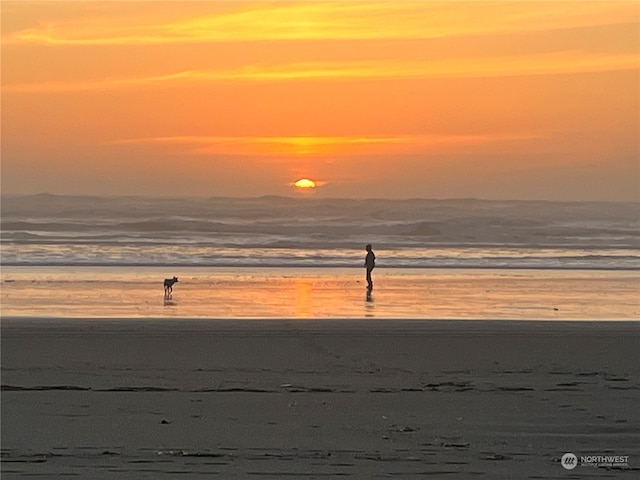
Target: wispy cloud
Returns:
[[333, 20], [322, 145], [565, 62], [101, 84]]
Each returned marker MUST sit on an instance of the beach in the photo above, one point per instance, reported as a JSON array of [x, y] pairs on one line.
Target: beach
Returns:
[[499, 336], [317, 398], [279, 292], [320, 239]]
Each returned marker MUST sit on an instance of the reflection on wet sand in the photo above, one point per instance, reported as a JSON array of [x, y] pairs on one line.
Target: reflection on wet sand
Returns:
[[322, 293]]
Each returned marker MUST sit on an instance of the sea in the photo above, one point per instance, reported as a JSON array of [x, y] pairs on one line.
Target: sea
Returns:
[[301, 257]]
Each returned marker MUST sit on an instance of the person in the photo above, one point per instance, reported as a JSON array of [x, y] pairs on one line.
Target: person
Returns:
[[370, 264]]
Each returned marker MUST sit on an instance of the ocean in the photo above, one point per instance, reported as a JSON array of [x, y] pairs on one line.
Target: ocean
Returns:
[[65, 256]]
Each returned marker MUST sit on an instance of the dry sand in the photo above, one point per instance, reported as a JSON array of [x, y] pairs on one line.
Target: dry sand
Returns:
[[158, 399]]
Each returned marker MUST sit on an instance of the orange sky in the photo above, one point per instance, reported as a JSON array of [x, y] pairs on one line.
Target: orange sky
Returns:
[[486, 99]]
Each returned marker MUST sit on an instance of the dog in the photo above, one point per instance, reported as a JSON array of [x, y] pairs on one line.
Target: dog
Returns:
[[168, 285]]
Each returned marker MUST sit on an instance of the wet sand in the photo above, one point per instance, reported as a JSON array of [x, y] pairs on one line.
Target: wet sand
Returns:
[[492, 294], [317, 398]]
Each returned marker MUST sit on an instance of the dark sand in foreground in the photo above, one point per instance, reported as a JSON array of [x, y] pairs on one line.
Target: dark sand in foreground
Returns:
[[159, 399]]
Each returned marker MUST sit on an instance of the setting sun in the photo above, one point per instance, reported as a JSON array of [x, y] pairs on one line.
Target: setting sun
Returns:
[[305, 183]]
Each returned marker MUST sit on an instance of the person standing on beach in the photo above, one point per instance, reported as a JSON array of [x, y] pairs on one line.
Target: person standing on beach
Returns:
[[369, 264]]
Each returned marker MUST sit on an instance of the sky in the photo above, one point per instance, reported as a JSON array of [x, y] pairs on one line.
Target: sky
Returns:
[[521, 99]]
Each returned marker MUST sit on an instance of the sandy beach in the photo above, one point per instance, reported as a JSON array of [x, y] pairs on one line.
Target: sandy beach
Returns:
[[173, 398], [320, 239], [275, 293]]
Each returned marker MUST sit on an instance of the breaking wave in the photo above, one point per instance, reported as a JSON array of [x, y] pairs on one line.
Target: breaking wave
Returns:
[[280, 231]]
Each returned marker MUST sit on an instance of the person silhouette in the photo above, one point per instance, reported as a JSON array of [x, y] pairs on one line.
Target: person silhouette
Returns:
[[369, 264]]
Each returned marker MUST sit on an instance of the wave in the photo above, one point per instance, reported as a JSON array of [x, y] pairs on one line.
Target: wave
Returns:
[[238, 258], [301, 231], [281, 231]]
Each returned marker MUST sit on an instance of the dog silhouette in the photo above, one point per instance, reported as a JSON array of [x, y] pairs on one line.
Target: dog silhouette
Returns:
[[168, 285]]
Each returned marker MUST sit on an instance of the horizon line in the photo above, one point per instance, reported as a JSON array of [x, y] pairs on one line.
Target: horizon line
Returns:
[[307, 198]]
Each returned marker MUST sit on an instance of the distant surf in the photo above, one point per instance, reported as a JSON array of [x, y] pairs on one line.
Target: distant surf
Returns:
[[51, 230]]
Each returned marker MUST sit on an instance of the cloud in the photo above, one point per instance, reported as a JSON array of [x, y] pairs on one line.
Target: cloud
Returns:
[[99, 84], [324, 145], [327, 20], [565, 62]]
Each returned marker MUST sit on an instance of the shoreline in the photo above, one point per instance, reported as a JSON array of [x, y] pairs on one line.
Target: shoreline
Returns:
[[355, 266], [425, 324]]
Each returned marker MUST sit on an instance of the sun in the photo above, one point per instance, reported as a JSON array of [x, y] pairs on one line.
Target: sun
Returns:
[[305, 184]]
